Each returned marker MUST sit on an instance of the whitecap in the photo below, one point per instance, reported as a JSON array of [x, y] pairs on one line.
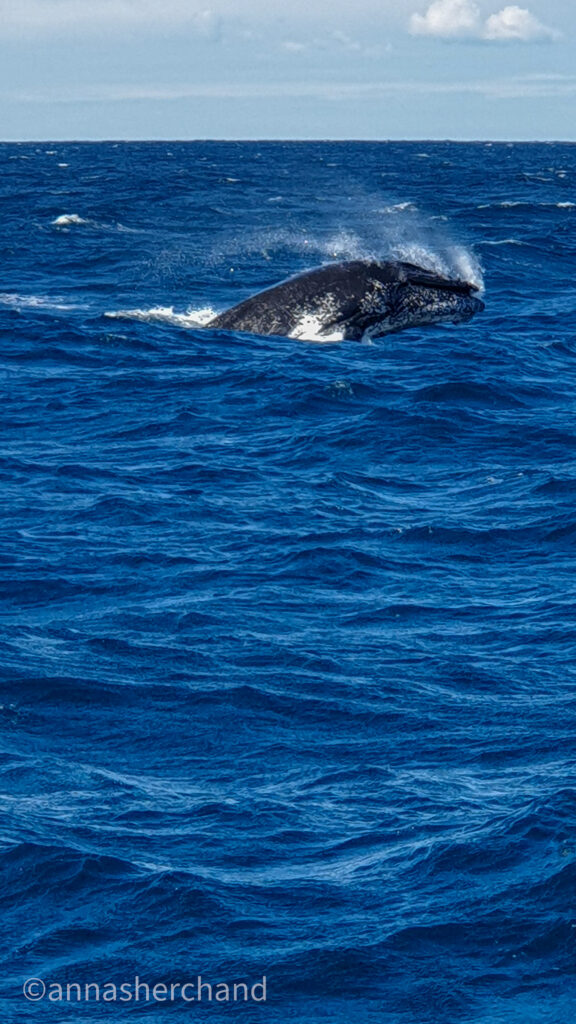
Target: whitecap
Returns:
[[166, 315], [510, 204], [65, 219], [399, 207], [18, 301], [505, 241]]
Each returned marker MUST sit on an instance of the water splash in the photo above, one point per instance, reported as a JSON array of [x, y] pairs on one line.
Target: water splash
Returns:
[[398, 231], [190, 318]]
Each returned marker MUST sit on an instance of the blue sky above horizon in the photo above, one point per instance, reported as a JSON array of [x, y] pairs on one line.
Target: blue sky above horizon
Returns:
[[376, 69]]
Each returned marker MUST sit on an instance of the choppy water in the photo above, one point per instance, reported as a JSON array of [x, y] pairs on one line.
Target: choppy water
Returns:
[[288, 648]]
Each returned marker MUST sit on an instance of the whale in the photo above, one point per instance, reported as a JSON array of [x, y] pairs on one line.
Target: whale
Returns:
[[352, 301]]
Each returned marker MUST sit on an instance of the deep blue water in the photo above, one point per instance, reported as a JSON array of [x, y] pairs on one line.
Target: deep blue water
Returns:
[[288, 630]]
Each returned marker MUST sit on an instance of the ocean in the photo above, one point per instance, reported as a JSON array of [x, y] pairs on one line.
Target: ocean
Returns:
[[288, 629]]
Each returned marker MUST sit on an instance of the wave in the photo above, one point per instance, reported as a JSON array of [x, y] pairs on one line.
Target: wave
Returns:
[[66, 221], [166, 315], [15, 300], [399, 207], [511, 204], [504, 241]]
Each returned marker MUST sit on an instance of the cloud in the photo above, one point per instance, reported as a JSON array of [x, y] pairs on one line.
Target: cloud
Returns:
[[335, 40], [346, 41], [293, 46], [208, 25], [462, 19], [25, 17], [511, 88], [447, 19], [516, 23], [61, 16]]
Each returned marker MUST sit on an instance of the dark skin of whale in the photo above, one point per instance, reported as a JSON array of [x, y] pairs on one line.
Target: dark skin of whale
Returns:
[[357, 299]]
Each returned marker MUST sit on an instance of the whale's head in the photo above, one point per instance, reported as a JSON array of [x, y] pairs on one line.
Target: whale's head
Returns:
[[420, 297]]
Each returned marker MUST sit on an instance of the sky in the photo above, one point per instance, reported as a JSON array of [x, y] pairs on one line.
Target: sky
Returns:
[[300, 69]]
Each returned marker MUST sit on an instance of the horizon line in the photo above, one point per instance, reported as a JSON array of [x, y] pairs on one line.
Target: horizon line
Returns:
[[284, 139]]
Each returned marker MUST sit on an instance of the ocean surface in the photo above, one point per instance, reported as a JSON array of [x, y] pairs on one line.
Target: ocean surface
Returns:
[[288, 629]]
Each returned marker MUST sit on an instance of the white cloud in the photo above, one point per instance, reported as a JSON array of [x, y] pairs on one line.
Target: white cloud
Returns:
[[57, 16], [511, 88], [447, 19], [336, 40], [462, 19], [208, 25], [351, 27], [293, 46], [346, 41], [516, 23]]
